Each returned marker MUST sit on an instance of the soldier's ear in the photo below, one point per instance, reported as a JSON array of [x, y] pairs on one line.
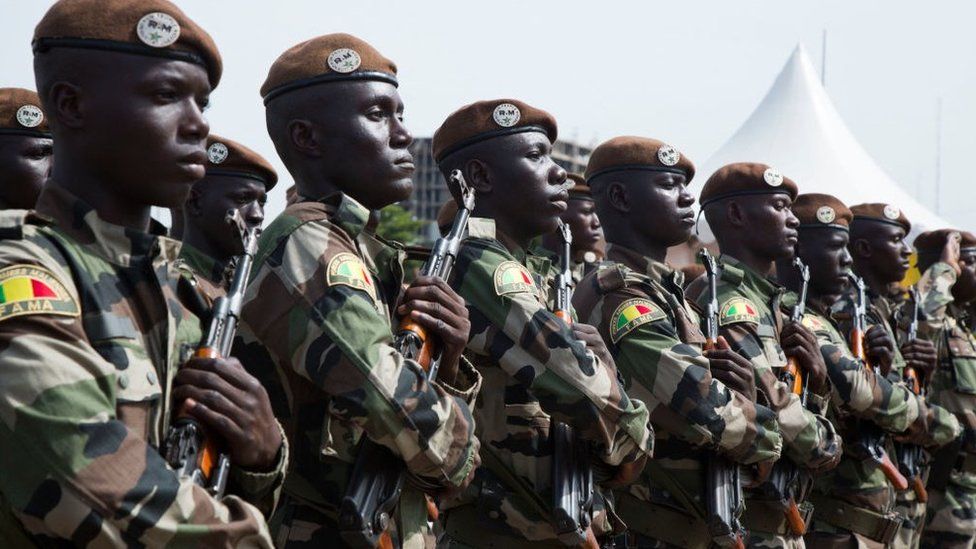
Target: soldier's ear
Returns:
[[734, 213], [66, 100], [860, 248], [617, 196], [478, 175], [303, 138]]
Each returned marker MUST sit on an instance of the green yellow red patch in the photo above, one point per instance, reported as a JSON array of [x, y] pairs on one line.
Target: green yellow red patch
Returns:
[[346, 269], [813, 323], [631, 314], [512, 278], [33, 290], [738, 309]]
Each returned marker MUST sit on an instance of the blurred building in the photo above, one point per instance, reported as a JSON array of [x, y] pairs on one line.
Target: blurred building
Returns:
[[430, 190]]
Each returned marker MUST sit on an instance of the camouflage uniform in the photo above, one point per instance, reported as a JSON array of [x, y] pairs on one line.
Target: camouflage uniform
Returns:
[[93, 330], [750, 320], [534, 370], [854, 501], [951, 518], [639, 307], [317, 331], [203, 265]]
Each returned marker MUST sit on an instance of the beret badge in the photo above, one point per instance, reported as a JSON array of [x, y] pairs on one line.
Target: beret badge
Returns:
[[344, 60], [506, 115], [217, 152], [891, 212], [772, 177], [826, 214], [668, 155], [158, 30], [29, 116]]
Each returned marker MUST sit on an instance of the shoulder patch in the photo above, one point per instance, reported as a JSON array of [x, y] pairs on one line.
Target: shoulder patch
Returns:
[[813, 323], [738, 309], [631, 314], [33, 290], [346, 269], [512, 278]]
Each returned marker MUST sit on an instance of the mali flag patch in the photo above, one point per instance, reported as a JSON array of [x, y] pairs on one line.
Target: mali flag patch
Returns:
[[631, 314], [738, 309], [346, 269], [512, 278], [813, 323], [33, 290]]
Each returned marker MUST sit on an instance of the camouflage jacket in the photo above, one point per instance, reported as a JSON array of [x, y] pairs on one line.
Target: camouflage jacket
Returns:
[[639, 307], [535, 371], [750, 320], [953, 385], [317, 330], [206, 267], [858, 394], [93, 330]]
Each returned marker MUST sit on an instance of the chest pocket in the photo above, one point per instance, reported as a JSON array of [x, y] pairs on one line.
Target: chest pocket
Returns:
[[138, 391], [963, 361], [770, 346]]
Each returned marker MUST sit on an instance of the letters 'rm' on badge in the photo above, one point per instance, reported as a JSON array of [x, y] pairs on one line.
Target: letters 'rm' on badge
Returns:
[[158, 30], [506, 115]]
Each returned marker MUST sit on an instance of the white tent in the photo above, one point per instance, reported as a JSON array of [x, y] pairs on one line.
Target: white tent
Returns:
[[797, 130]]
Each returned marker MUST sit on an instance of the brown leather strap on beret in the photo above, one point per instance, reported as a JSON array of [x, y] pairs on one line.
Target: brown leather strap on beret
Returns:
[[26, 132], [236, 173], [823, 226], [771, 190], [501, 132], [631, 167], [42, 45], [878, 220], [329, 77]]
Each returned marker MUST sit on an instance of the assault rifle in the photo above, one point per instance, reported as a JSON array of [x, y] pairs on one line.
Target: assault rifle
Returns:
[[366, 511], [872, 438], [723, 487], [190, 450], [572, 476], [910, 457]]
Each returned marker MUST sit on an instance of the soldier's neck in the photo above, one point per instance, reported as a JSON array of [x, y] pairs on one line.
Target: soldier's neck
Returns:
[[196, 238], [111, 207], [644, 246], [763, 266], [876, 282]]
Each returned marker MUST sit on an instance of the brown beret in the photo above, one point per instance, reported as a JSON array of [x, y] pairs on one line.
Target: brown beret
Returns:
[[580, 190], [328, 58], [883, 213], [154, 28], [486, 119], [21, 114], [932, 242], [226, 157], [637, 153], [745, 178], [815, 210]]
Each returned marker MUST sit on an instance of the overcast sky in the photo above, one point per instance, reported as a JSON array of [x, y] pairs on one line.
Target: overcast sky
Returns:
[[685, 72]]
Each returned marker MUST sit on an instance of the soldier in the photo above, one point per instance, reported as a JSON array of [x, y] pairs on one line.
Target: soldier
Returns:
[[26, 148], [852, 503], [747, 206], [947, 287], [536, 368], [588, 245], [881, 258], [237, 179], [700, 402], [93, 324], [318, 319]]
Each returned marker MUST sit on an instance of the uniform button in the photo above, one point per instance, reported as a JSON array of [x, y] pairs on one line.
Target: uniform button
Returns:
[[151, 377], [123, 380]]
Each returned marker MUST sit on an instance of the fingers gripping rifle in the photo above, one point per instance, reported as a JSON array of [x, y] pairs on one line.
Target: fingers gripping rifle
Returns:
[[872, 437], [910, 457], [784, 477], [723, 488], [190, 449], [366, 511], [572, 476]]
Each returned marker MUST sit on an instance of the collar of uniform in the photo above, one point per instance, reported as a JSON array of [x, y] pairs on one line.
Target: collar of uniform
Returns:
[[736, 272], [483, 227], [114, 243], [656, 270], [350, 215], [202, 264]]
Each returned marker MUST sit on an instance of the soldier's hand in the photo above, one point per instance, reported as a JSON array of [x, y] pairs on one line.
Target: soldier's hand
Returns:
[[732, 369], [591, 337], [431, 303], [880, 348], [921, 355], [232, 404], [801, 344], [951, 251]]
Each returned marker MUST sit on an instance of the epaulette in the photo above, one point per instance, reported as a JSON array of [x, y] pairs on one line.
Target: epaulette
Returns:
[[609, 279], [732, 274], [12, 223]]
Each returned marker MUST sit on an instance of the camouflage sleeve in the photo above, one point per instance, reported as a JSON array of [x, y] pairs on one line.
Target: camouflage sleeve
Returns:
[[674, 381], [935, 295], [809, 439], [74, 471], [512, 328], [855, 390], [941, 426], [334, 332]]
